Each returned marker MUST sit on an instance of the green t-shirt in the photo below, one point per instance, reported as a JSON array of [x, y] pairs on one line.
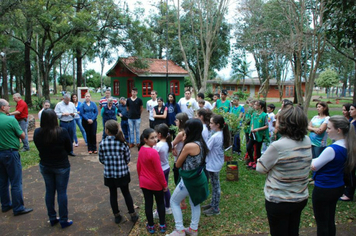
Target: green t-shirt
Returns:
[[10, 131], [258, 121], [225, 106]]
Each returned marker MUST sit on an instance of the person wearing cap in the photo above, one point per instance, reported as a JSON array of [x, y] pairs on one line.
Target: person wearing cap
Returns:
[[21, 115], [124, 115], [188, 104], [223, 103], [239, 111]]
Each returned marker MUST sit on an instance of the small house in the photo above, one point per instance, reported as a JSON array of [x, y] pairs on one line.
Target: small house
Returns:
[[163, 76], [252, 87]]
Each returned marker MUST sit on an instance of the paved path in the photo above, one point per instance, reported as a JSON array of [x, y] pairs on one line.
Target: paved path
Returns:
[[88, 200]]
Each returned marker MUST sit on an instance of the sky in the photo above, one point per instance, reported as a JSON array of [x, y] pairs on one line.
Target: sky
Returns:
[[224, 73]]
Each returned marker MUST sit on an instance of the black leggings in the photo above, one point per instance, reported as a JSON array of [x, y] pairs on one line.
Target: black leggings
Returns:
[[159, 196], [250, 149], [128, 199], [324, 206]]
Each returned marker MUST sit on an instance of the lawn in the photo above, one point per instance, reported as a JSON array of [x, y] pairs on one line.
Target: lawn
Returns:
[[242, 202]]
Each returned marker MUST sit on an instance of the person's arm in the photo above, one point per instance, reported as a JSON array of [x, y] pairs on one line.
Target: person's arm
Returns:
[[22, 136], [267, 160], [156, 162], [188, 149], [147, 107], [95, 111], [141, 109], [178, 139], [57, 110], [164, 116], [101, 153], [14, 113], [83, 114], [127, 153], [325, 157]]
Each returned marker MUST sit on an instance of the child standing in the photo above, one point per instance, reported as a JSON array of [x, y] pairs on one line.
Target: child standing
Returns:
[[151, 178], [114, 154], [215, 160], [271, 124], [259, 132], [163, 147], [239, 111]]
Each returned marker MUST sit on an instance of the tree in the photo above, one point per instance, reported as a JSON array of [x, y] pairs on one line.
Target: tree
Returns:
[[340, 29], [240, 69], [207, 16], [327, 79]]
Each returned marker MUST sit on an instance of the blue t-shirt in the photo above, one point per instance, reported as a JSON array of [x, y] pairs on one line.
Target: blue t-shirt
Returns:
[[172, 111], [331, 175]]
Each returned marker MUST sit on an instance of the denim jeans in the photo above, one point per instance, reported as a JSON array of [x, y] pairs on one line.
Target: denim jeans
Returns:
[[78, 121], [125, 129], [24, 126], [134, 125], [70, 127], [56, 179], [178, 195], [11, 173]]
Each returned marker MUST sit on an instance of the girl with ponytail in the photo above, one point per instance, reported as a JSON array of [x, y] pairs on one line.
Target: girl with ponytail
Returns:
[[114, 154], [215, 160]]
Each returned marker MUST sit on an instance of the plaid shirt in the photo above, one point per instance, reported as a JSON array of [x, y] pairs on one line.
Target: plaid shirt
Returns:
[[115, 156]]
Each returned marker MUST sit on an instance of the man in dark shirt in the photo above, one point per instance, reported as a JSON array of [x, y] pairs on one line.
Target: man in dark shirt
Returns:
[[123, 113], [134, 108]]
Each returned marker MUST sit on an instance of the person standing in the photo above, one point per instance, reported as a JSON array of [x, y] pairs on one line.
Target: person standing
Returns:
[[54, 144], [223, 103], [66, 112], [134, 108], [287, 165], [207, 104], [103, 102], [150, 106], [122, 112], [108, 113], [89, 113], [187, 104], [21, 115], [239, 111], [10, 162], [46, 105], [160, 112], [78, 120]]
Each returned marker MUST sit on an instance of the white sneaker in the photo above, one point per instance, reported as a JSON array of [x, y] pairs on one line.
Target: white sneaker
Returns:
[[177, 233], [76, 145], [169, 211], [191, 232], [155, 214]]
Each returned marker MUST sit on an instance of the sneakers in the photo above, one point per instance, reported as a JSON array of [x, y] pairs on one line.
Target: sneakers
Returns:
[[163, 228], [254, 166], [150, 229], [168, 212], [76, 144], [177, 233], [24, 150], [211, 212], [190, 231], [206, 207]]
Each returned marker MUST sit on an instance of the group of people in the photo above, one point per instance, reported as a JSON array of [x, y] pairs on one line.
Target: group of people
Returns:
[[277, 145]]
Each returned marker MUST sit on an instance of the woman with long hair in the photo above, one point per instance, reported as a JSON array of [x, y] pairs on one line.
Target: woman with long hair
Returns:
[[329, 168], [78, 119], [54, 145], [317, 128], [114, 154], [172, 109], [193, 182], [287, 165]]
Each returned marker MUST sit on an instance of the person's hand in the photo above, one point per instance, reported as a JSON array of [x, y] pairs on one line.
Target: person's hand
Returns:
[[65, 114], [174, 152], [165, 189], [120, 114], [90, 121]]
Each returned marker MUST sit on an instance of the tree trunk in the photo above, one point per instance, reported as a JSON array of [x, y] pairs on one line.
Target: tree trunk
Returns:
[[39, 80], [11, 84], [354, 97], [79, 68], [28, 80], [5, 88]]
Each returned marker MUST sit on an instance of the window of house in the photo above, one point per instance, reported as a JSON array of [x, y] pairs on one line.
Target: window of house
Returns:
[[174, 87], [147, 87], [230, 87], [116, 87]]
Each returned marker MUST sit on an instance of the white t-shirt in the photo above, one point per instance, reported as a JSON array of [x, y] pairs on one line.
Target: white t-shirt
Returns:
[[207, 105], [215, 157], [271, 119], [205, 133], [188, 106], [149, 106], [162, 149]]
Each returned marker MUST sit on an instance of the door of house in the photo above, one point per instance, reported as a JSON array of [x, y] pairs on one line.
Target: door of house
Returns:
[[130, 85], [289, 91]]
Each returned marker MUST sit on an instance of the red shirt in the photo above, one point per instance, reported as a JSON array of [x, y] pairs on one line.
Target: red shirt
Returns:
[[23, 109], [149, 170]]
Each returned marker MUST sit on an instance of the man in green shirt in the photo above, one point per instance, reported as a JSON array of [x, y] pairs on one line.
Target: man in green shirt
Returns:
[[223, 104], [10, 163]]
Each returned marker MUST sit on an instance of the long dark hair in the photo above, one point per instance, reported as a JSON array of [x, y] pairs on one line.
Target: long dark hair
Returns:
[[164, 131], [71, 97], [206, 116], [113, 127], [325, 105], [218, 119], [182, 117], [174, 98], [193, 132], [263, 105], [49, 126], [145, 135]]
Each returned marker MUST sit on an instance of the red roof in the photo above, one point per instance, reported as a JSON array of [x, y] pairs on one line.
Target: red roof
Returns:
[[155, 66]]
